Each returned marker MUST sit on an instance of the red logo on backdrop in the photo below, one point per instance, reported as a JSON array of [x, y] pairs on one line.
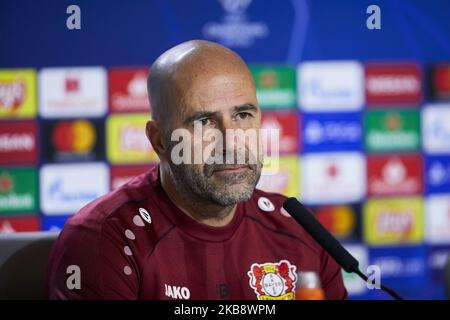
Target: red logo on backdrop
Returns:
[[18, 141], [394, 175], [288, 125], [332, 171], [339, 220], [128, 90], [393, 84], [19, 224], [122, 174], [72, 84], [441, 81]]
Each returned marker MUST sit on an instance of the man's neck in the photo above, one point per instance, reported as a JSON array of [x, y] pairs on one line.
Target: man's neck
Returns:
[[195, 207]]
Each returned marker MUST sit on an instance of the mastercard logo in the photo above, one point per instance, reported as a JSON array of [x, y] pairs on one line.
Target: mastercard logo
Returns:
[[339, 220], [74, 136]]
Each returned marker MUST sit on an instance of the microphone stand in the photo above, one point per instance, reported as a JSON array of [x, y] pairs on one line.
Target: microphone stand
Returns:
[[391, 292]]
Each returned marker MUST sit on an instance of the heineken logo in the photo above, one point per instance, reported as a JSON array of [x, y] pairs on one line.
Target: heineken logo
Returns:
[[15, 196], [388, 131]]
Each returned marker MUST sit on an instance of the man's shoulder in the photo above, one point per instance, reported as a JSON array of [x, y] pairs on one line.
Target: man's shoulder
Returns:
[[132, 206], [266, 208], [273, 196], [269, 204]]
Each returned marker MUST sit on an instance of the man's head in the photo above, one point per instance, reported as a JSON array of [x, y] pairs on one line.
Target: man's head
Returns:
[[204, 85]]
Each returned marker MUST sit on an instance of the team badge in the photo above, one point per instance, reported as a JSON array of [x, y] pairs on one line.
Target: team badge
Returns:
[[273, 281]]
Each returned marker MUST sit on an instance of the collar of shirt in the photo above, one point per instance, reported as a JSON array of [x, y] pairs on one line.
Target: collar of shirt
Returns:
[[191, 226]]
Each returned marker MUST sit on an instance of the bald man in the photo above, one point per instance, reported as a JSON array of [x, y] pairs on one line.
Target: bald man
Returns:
[[191, 229]]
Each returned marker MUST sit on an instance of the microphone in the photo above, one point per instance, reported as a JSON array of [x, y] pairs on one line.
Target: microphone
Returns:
[[328, 241]]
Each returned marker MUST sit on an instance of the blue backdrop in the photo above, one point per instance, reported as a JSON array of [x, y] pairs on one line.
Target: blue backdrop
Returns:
[[33, 34]]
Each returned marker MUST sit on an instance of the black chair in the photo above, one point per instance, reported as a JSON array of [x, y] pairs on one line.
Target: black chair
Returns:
[[23, 264]]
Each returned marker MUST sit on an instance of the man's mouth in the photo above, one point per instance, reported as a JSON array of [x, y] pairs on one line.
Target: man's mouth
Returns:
[[231, 169]]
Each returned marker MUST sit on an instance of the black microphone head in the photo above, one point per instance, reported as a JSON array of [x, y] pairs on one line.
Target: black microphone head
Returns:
[[321, 235]]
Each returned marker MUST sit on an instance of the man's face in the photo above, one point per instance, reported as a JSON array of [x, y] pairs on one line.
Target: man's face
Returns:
[[222, 103]]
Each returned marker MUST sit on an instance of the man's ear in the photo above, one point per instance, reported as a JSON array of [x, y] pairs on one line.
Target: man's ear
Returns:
[[155, 136]]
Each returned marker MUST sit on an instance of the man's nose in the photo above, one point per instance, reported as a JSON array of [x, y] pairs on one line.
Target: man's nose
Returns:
[[230, 138]]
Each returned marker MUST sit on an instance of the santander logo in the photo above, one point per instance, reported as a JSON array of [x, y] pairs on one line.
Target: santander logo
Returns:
[[128, 90], [394, 175], [138, 86], [394, 172]]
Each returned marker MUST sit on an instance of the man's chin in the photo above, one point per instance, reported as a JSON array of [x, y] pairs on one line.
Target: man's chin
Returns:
[[228, 199], [239, 191]]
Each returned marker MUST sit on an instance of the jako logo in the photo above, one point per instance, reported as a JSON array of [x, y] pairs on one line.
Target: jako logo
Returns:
[[177, 292]]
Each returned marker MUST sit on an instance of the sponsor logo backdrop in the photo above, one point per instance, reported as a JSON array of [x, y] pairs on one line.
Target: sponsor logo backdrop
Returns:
[[364, 122]]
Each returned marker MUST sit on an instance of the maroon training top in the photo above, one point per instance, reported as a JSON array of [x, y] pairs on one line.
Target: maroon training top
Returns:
[[134, 243]]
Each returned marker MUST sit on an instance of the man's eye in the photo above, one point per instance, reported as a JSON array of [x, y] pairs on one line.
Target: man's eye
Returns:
[[205, 121], [243, 115]]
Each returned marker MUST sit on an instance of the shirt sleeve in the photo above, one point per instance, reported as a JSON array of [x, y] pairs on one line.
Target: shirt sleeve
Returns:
[[332, 280], [93, 262]]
